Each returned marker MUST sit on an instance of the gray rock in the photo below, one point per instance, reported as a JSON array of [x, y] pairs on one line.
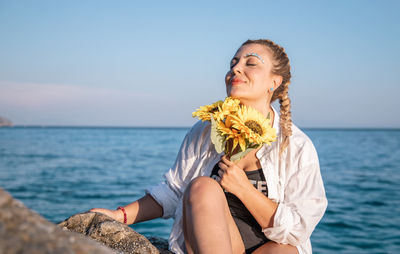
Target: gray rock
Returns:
[[113, 234], [23, 231]]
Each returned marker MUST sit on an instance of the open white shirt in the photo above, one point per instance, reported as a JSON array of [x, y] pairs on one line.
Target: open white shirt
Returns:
[[294, 182]]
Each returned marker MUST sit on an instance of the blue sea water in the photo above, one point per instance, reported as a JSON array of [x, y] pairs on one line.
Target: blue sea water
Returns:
[[62, 171]]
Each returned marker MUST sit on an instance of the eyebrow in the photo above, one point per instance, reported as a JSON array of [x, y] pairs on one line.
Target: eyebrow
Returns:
[[256, 55]]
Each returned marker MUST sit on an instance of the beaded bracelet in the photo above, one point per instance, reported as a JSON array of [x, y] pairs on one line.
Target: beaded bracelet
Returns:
[[123, 210]]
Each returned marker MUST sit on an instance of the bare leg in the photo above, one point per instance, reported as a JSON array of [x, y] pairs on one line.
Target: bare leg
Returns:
[[276, 248], [207, 222]]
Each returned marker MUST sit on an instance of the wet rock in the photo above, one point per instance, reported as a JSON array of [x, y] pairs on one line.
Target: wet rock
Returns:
[[160, 243], [113, 234], [24, 231]]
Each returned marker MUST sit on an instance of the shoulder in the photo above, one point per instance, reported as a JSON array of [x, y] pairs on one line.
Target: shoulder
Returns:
[[199, 130], [302, 147], [199, 135], [299, 139]]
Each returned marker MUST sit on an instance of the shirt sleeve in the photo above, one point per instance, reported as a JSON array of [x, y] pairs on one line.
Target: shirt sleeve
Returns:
[[304, 201], [169, 191]]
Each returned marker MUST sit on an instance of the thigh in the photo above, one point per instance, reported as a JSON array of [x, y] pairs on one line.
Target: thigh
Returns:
[[276, 248]]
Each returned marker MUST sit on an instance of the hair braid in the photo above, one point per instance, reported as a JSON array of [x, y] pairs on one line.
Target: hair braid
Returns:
[[285, 117], [281, 66]]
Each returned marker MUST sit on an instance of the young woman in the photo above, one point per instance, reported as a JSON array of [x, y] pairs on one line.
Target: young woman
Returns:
[[268, 202]]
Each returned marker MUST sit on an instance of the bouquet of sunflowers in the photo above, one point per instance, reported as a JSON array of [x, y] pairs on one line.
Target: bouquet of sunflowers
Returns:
[[236, 129]]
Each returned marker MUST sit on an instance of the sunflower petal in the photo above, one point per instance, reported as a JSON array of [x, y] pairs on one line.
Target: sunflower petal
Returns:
[[242, 143]]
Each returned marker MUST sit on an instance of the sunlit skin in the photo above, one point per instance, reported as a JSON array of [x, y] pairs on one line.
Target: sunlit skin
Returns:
[[250, 80], [207, 223]]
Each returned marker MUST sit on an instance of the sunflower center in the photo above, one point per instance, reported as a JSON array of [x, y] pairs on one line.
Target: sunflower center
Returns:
[[214, 109], [254, 126]]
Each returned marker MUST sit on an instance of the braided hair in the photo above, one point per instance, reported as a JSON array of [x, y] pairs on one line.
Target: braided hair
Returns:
[[281, 67]]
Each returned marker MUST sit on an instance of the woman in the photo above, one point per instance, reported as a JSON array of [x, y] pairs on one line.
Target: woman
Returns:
[[278, 216]]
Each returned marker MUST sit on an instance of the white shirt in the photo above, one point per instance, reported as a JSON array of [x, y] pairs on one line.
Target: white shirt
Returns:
[[294, 182]]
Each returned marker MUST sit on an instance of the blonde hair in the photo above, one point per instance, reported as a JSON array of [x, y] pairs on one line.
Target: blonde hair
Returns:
[[281, 67]]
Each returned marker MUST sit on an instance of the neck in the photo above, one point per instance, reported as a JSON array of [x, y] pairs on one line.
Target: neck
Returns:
[[264, 107]]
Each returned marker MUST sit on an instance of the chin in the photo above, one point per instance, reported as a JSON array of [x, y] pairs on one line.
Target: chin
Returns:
[[237, 94]]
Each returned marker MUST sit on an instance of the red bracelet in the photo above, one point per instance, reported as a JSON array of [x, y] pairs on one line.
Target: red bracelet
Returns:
[[123, 210]]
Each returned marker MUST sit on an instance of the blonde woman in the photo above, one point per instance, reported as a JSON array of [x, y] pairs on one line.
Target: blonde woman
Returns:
[[268, 202]]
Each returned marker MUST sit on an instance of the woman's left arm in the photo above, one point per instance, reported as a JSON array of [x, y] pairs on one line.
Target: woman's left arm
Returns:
[[234, 180], [303, 202], [292, 220], [302, 207]]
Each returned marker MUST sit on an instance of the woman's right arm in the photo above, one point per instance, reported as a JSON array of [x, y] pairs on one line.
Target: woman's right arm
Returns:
[[143, 209], [161, 200]]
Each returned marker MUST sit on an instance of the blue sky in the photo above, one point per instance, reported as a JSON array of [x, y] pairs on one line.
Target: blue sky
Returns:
[[138, 63]]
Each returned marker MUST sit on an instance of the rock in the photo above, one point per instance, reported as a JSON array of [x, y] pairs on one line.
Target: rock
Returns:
[[160, 243], [5, 122], [113, 234], [23, 231]]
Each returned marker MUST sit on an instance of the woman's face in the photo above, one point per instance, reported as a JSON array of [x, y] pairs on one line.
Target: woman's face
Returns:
[[250, 77]]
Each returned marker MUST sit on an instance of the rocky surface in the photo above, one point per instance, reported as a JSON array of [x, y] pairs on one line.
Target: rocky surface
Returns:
[[113, 234], [24, 231], [5, 122]]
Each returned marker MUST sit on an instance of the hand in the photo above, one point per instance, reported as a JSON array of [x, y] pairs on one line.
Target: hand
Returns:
[[117, 215], [233, 178]]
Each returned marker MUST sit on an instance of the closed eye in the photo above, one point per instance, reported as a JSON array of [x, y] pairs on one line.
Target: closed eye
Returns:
[[251, 62]]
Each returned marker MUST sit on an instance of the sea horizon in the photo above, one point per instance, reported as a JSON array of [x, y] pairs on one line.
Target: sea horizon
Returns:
[[187, 127]]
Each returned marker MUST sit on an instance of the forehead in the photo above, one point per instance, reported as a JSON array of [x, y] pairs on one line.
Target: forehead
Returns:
[[253, 48]]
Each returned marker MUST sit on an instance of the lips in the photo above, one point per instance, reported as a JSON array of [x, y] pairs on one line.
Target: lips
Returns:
[[236, 81]]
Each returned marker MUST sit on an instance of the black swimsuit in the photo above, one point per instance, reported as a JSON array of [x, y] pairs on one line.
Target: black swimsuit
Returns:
[[250, 230]]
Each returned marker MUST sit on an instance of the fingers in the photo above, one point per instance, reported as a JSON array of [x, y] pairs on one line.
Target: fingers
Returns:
[[98, 210], [220, 173], [101, 210], [225, 163], [222, 166], [225, 160]]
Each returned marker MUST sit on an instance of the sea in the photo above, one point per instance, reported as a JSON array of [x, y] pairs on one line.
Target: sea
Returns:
[[61, 171]]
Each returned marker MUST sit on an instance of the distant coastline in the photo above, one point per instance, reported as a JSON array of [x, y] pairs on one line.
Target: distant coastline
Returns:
[[4, 122], [99, 127]]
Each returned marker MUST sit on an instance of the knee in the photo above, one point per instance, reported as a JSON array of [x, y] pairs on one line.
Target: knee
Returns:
[[202, 189], [274, 248]]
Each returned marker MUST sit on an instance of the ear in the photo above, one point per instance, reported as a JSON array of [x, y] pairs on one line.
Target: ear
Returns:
[[277, 81]]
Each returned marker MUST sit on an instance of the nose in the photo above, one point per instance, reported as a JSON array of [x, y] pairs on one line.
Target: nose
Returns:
[[236, 68]]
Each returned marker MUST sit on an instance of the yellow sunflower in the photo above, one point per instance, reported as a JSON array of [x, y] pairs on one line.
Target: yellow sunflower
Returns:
[[204, 112], [230, 106], [228, 130], [255, 127]]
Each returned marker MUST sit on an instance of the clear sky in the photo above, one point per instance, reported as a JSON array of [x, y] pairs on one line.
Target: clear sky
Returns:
[[151, 63]]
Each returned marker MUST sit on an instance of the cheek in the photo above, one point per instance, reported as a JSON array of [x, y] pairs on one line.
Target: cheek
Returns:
[[227, 86], [264, 81], [227, 77]]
